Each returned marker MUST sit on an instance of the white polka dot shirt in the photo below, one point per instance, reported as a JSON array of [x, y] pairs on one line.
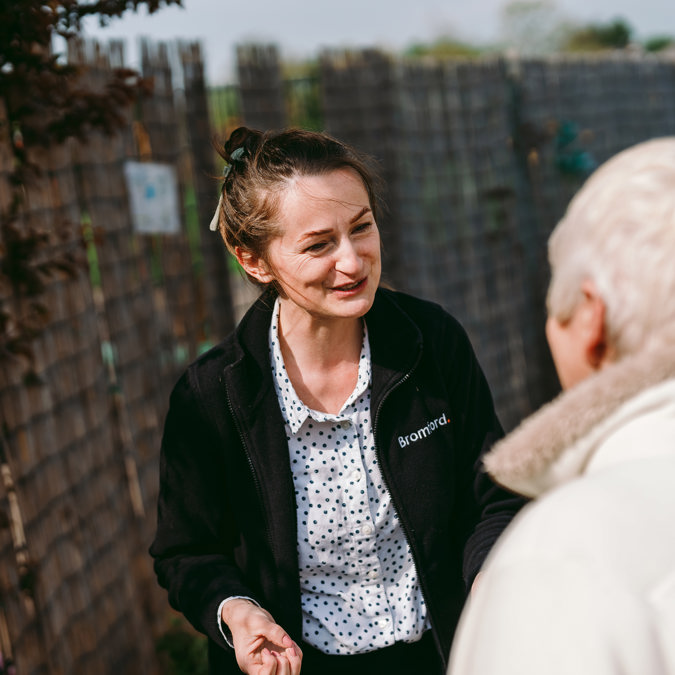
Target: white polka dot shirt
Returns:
[[359, 586]]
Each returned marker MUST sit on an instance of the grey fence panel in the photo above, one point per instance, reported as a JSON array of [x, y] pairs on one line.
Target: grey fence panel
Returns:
[[462, 241], [480, 159], [215, 269], [360, 107], [261, 87]]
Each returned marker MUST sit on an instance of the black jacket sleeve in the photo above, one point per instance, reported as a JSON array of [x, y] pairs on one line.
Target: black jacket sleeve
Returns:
[[193, 545], [487, 508]]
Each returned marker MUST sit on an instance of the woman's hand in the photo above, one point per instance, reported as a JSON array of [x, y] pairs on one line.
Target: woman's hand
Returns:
[[261, 646]]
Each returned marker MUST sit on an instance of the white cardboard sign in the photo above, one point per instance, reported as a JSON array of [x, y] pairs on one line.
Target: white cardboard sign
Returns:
[[153, 197]]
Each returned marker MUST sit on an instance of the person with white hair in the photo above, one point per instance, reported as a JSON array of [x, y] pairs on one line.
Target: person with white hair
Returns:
[[583, 580]]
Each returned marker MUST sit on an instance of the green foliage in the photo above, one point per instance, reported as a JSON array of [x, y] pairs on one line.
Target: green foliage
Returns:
[[44, 103], [659, 43], [597, 37], [192, 227], [302, 95], [224, 109], [443, 48], [182, 651]]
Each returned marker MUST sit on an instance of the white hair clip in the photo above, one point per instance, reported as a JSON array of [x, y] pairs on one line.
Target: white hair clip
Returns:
[[234, 157], [213, 226]]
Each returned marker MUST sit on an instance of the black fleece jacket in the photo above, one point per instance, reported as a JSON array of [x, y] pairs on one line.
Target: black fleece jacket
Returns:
[[226, 517]]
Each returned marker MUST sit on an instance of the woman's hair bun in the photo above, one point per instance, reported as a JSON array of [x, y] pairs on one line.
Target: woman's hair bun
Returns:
[[242, 137]]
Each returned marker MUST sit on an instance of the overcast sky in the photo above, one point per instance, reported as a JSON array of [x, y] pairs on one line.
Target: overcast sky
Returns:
[[302, 27]]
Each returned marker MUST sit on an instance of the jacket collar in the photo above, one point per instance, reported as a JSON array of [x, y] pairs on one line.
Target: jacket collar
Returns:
[[249, 360], [553, 446], [395, 343]]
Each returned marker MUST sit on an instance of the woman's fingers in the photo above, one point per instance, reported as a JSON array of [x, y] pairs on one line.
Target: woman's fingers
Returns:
[[285, 661], [269, 663], [294, 656]]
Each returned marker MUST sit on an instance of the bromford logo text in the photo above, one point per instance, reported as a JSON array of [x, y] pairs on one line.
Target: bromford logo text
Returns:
[[427, 429]]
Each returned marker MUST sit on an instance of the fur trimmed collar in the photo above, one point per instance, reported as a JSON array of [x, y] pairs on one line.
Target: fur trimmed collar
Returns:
[[546, 448]]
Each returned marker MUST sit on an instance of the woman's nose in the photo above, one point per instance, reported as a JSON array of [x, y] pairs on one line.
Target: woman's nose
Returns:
[[348, 260]]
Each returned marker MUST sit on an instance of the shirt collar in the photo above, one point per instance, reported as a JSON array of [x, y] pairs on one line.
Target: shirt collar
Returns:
[[293, 410]]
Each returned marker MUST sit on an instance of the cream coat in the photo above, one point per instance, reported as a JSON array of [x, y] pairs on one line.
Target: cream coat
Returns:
[[583, 581]]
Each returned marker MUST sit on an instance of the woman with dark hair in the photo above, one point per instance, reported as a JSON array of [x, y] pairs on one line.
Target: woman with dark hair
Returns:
[[321, 504]]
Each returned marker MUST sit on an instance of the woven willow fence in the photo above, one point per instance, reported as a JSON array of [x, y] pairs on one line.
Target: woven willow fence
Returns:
[[480, 159], [80, 447]]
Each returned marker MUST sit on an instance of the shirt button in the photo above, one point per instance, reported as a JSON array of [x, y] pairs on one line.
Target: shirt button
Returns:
[[345, 424], [356, 476], [383, 623], [373, 574], [367, 530]]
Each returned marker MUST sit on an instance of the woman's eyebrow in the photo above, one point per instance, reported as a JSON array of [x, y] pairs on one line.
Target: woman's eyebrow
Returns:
[[318, 233], [314, 233], [360, 214]]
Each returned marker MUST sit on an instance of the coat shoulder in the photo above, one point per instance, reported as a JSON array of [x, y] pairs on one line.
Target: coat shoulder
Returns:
[[426, 314]]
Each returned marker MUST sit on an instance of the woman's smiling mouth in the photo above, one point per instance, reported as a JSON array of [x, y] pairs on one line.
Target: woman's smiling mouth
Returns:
[[355, 285]]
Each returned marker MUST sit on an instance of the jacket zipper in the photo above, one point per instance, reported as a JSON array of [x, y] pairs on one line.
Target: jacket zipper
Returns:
[[394, 498]]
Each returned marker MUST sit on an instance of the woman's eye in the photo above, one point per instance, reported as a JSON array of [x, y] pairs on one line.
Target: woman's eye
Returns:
[[362, 227], [316, 248]]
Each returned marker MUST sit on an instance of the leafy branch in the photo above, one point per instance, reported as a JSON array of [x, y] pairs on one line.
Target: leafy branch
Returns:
[[44, 102]]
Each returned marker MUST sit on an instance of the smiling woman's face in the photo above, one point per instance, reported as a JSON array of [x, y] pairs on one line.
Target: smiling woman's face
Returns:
[[327, 259]]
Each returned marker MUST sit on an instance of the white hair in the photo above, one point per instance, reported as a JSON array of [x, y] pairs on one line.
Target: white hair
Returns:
[[619, 233]]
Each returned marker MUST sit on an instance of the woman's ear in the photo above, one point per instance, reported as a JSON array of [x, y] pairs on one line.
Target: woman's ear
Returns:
[[253, 265]]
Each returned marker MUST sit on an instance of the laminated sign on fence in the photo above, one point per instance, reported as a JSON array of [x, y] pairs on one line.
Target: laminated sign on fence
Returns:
[[153, 197]]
